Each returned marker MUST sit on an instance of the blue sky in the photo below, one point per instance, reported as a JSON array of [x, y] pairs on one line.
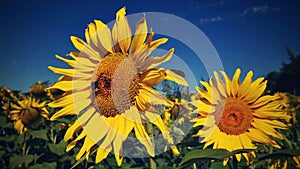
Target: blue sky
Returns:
[[252, 35]]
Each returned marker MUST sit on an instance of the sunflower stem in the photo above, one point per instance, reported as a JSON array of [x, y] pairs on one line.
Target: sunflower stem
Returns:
[[150, 131], [24, 145], [234, 162]]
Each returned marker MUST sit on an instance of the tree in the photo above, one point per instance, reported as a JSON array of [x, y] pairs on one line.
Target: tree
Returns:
[[288, 79]]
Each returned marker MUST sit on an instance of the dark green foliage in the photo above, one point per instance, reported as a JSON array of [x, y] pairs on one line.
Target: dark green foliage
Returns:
[[288, 79]]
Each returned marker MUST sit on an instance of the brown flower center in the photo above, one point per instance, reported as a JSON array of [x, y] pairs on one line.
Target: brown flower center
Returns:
[[29, 115], [236, 117], [37, 90], [116, 85]]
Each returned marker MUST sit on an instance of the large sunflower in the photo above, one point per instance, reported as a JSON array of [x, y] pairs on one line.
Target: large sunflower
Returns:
[[28, 113], [234, 114], [110, 87]]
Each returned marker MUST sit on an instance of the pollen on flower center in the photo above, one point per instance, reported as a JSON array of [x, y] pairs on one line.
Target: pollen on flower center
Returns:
[[116, 85], [236, 117]]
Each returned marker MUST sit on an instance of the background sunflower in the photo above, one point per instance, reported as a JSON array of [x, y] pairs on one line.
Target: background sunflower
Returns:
[[28, 113]]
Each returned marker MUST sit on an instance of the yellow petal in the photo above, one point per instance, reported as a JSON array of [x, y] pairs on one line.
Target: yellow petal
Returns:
[[255, 90], [68, 72], [152, 97], [62, 85], [19, 126], [235, 82], [74, 55], [267, 128], [121, 31], [69, 99], [245, 84], [140, 35], [228, 83], [104, 35], [153, 77], [87, 145], [261, 101], [140, 132], [94, 125], [102, 153], [69, 62], [155, 61], [257, 93], [71, 109], [246, 142], [257, 135], [175, 78], [271, 115], [175, 150], [140, 55], [84, 48], [220, 84], [84, 116], [73, 143], [69, 133], [125, 127], [78, 43], [90, 33], [156, 119], [206, 95]]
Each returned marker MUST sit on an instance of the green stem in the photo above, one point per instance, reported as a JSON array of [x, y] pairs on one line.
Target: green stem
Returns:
[[288, 142], [24, 145], [234, 162], [150, 132]]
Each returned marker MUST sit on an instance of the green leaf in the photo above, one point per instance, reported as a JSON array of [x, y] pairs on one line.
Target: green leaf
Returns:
[[59, 149], [36, 166], [44, 165], [8, 138], [2, 152], [42, 134], [279, 154], [16, 160], [49, 165], [198, 155], [218, 165], [3, 122]]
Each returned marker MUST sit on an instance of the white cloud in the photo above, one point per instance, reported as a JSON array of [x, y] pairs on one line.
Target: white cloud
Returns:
[[209, 20], [258, 9]]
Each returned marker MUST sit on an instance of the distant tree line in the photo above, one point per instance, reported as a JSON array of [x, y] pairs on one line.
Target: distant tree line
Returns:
[[288, 78]]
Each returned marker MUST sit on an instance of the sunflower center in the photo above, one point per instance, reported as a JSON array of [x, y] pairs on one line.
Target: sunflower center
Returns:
[[116, 85], [236, 117], [29, 115]]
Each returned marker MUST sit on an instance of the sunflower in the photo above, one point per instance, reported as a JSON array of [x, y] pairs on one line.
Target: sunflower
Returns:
[[295, 161], [110, 87], [234, 114], [289, 105], [28, 113], [37, 90], [279, 164]]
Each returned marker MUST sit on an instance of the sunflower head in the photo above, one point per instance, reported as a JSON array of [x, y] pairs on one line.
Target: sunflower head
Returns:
[[235, 114], [38, 90], [6, 96], [289, 105], [110, 87], [296, 161], [28, 113]]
